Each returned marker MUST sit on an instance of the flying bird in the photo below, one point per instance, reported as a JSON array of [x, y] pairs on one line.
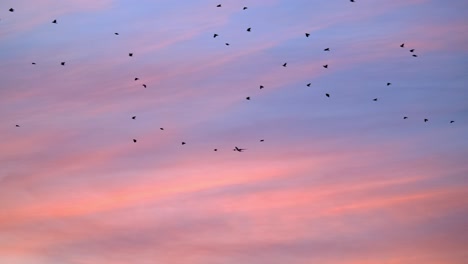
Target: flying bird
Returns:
[[17, 126], [134, 140], [284, 65], [402, 45], [215, 149], [133, 117], [62, 63], [238, 149], [130, 54], [411, 50], [161, 128], [261, 87], [183, 143], [144, 85], [33, 63], [116, 33], [244, 8], [215, 35], [327, 95], [405, 117], [388, 84], [351, 1], [425, 120], [452, 122], [308, 85], [11, 10], [325, 66], [307, 35], [248, 98], [136, 79], [414, 55], [227, 44], [55, 21], [261, 140], [375, 99], [248, 29], [218, 5], [327, 49]]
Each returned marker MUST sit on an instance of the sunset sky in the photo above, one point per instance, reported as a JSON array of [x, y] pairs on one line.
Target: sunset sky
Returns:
[[337, 180]]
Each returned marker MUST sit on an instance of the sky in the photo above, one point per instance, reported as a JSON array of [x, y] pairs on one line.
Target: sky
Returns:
[[341, 179]]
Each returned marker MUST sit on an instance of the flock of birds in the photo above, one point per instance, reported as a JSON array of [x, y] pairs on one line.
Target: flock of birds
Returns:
[[261, 86]]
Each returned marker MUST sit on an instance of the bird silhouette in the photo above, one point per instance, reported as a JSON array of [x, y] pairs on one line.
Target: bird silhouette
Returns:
[[411, 50], [414, 55], [17, 126], [327, 95], [215, 149], [388, 84], [116, 33], [375, 99], [136, 79], [33, 63], [55, 21], [183, 143], [261, 87], [402, 45], [227, 44], [244, 8], [248, 29], [130, 54], [325, 66], [261, 140], [218, 5], [308, 85], [133, 117], [425, 120], [284, 65], [161, 128], [307, 35], [351, 1], [327, 49], [248, 98], [238, 149], [62, 63], [11, 10], [134, 140], [144, 85], [405, 117], [452, 122], [215, 35]]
